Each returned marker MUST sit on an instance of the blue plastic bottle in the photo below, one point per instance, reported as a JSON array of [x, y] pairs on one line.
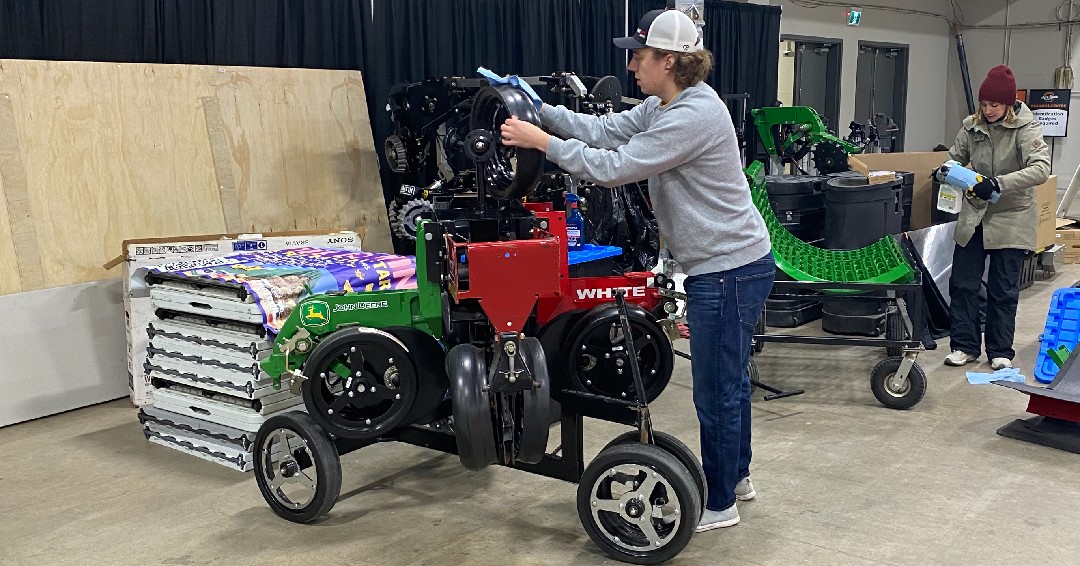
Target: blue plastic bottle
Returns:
[[575, 225]]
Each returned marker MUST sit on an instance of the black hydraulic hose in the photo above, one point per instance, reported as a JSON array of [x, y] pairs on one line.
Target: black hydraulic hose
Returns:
[[964, 71]]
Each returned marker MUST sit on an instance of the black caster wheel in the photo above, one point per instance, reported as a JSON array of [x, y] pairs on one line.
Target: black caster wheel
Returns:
[[598, 362], [760, 330], [297, 467], [535, 405], [361, 383], [752, 373], [676, 448], [467, 367], [638, 503], [894, 330], [894, 392]]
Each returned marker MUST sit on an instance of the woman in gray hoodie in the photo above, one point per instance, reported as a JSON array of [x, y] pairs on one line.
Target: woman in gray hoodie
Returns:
[[682, 140]]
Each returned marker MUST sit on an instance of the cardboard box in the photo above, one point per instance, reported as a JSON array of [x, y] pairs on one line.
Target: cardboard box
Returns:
[[919, 163], [1045, 213], [1069, 238], [140, 254]]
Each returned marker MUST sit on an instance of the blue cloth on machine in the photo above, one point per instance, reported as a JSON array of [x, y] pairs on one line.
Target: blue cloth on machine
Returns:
[[512, 80]]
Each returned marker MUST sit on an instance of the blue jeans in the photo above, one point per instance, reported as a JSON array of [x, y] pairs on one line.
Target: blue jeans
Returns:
[[721, 310]]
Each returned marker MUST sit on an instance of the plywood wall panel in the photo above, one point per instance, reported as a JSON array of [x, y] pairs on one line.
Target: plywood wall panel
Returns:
[[120, 151], [320, 164], [9, 276]]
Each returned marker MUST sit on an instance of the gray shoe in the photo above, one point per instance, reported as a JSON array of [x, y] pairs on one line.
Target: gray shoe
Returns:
[[959, 358], [718, 519], [744, 490]]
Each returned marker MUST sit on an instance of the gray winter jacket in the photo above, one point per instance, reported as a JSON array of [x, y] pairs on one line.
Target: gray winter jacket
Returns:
[[1017, 156]]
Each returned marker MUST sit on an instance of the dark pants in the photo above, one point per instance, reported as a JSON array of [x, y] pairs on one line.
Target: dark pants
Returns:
[[1002, 294], [722, 310]]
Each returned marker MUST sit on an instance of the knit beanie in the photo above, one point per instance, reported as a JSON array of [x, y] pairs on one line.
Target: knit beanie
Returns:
[[999, 86]]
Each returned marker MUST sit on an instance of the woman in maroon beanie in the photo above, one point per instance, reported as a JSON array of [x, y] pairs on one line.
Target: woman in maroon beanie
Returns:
[[1004, 143]]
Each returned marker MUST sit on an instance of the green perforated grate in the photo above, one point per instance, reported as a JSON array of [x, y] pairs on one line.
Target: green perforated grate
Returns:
[[881, 262]]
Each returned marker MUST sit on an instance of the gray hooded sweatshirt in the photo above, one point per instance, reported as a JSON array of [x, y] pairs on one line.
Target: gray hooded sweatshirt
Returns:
[[688, 151]]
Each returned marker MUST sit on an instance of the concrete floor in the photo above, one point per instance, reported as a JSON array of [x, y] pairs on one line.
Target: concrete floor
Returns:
[[840, 479]]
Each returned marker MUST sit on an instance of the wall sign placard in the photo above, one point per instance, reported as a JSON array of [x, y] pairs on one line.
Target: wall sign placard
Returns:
[[1051, 109]]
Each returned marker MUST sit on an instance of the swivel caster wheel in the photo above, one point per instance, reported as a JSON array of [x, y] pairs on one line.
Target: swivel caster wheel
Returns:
[[297, 467], [676, 448], [893, 391], [638, 503], [760, 330], [895, 329]]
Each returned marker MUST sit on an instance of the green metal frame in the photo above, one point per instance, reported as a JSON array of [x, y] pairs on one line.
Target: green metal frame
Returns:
[[319, 315], [810, 131]]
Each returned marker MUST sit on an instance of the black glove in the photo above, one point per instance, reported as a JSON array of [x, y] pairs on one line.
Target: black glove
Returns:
[[985, 189]]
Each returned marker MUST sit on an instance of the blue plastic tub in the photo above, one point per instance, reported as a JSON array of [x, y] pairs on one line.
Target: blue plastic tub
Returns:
[[1062, 329], [592, 253]]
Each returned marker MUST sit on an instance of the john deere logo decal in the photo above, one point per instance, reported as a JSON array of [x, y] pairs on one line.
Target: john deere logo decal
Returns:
[[315, 313]]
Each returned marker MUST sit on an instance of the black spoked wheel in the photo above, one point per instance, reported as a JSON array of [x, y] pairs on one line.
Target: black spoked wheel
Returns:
[[894, 330], [752, 373], [638, 503], [361, 383], [535, 421], [897, 392], [760, 330], [466, 366], [676, 448], [297, 467], [598, 357], [511, 173]]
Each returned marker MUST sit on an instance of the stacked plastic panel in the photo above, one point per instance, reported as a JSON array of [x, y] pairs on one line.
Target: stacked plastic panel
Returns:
[[881, 262], [209, 394]]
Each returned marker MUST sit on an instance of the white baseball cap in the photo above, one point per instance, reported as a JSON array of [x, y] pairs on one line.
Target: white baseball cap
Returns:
[[670, 30]]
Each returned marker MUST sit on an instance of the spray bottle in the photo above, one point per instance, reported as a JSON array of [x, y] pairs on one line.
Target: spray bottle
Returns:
[[956, 180], [575, 224]]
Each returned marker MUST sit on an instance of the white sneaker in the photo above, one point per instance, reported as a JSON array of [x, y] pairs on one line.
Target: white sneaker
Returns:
[[718, 519], [959, 358], [744, 490], [1000, 363]]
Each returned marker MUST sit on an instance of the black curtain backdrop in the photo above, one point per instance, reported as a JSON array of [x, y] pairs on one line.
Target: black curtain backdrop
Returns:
[[261, 33], [745, 42], [400, 41]]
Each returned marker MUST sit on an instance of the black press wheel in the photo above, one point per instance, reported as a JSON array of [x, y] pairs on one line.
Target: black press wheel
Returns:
[[535, 405], [676, 448], [638, 503], [598, 358], [361, 383], [297, 467], [894, 330], [895, 392], [466, 365]]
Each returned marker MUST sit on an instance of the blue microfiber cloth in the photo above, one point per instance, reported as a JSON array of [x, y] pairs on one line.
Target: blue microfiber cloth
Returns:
[[514, 81], [1005, 374]]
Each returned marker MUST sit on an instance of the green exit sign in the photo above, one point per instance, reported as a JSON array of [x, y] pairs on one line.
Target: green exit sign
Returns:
[[854, 17]]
